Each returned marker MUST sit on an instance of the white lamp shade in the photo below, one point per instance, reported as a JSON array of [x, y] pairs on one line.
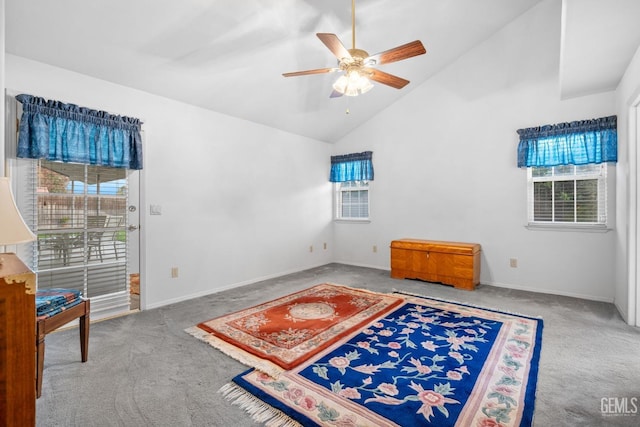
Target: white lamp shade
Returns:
[[352, 84], [13, 230]]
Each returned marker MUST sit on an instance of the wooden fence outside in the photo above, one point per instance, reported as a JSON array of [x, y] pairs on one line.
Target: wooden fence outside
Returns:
[[69, 211]]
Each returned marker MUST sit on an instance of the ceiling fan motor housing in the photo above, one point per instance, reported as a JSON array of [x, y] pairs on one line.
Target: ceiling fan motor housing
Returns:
[[355, 62], [359, 54]]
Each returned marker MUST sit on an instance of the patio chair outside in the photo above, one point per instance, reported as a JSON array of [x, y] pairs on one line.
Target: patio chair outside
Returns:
[[94, 238]]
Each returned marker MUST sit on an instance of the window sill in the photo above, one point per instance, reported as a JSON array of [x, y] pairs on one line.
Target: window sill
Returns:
[[352, 220], [598, 228]]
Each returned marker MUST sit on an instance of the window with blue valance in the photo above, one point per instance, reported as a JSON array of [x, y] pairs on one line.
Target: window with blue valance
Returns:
[[56, 131], [352, 167], [575, 143]]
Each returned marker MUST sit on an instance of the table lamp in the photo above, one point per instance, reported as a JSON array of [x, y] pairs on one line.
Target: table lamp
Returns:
[[13, 230]]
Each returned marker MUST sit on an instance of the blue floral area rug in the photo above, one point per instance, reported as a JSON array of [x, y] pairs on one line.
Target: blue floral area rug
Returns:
[[427, 363]]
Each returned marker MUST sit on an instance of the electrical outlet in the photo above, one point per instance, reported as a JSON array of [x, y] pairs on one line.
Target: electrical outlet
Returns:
[[325, 246], [174, 272], [513, 262], [311, 248], [375, 248]]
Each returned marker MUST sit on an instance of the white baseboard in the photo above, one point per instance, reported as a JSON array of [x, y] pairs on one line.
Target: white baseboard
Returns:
[[549, 291], [377, 267], [356, 264], [226, 287], [508, 286], [624, 314]]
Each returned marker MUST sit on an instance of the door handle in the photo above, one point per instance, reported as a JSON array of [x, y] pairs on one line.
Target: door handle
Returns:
[[132, 227]]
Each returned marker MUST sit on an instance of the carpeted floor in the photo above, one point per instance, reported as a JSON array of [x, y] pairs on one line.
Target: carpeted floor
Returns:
[[144, 370]]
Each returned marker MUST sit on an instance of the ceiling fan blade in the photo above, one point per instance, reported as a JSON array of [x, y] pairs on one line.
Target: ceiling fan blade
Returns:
[[399, 53], [316, 71], [335, 94], [386, 78], [334, 44]]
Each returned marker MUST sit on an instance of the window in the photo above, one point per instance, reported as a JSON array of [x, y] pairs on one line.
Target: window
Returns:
[[568, 195], [352, 200], [567, 171], [79, 214], [351, 174]]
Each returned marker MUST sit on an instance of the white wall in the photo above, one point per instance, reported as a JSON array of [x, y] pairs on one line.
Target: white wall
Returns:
[[627, 94], [445, 164], [240, 201], [445, 159]]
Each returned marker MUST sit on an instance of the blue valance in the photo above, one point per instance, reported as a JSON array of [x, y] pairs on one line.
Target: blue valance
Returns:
[[62, 132], [575, 143], [352, 167]]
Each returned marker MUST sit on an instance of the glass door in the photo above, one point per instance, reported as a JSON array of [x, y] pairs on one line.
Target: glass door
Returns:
[[81, 224]]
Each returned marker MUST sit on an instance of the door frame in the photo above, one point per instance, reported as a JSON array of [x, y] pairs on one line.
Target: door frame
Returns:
[[633, 260], [141, 224]]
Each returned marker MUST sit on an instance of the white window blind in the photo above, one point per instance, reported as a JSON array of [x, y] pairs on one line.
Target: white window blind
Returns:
[[352, 200], [568, 195], [79, 214]]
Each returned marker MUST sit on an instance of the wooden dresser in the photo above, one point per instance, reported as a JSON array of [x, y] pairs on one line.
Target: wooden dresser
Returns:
[[17, 343], [451, 263]]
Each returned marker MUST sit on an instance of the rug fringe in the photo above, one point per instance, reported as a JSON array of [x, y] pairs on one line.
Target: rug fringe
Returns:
[[259, 410], [234, 352], [515, 313]]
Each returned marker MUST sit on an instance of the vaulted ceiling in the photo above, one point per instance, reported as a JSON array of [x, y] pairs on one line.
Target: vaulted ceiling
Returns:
[[599, 38], [229, 56]]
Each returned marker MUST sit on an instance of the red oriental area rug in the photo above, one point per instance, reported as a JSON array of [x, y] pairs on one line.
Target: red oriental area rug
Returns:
[[280, 334], [428, 362]]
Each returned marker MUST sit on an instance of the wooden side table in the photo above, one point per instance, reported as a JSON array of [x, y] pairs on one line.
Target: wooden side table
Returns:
[[79, 311], [17, 343]]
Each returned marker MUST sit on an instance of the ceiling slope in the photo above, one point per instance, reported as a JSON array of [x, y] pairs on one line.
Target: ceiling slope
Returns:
[[229, 56], [599, 39]]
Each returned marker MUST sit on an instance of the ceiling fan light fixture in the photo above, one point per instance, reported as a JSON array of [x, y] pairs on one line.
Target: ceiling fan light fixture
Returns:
[[352, 84], [358, 65]]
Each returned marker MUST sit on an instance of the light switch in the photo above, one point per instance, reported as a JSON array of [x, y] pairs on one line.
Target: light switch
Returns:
[[155, 210]]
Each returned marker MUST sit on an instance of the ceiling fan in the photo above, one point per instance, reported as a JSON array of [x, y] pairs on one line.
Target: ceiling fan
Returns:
[[358, 65]]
